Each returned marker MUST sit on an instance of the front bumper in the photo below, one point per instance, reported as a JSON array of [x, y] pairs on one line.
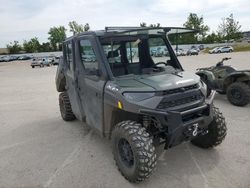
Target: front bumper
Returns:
[[178, 126]]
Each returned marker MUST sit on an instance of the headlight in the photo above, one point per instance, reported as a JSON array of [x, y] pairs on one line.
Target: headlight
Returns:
[[138, 96], [203, 88]]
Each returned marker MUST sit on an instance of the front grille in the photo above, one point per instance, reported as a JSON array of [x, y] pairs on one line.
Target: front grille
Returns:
[[179, 90], [169, 103]]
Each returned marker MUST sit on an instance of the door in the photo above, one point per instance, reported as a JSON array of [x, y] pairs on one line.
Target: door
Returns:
[[90, 82], [71, 79]]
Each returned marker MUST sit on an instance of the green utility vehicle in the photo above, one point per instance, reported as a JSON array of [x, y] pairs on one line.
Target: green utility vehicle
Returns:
[[110, 80]]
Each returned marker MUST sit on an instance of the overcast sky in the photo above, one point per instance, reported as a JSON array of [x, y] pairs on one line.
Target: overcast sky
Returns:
[[24, 19]]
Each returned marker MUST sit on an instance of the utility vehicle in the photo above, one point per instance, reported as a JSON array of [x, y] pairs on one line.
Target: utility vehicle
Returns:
[[226, 80], [138, 101]]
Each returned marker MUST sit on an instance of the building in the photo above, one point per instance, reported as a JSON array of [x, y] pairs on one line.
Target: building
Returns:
[[246, 36], [4, 51]]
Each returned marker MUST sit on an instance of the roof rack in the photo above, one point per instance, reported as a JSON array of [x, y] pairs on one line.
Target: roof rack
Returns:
[[169, 30], [120, 28], [129, 28]]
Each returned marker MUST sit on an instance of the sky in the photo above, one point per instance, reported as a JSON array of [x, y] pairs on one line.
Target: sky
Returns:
[[25, 19]]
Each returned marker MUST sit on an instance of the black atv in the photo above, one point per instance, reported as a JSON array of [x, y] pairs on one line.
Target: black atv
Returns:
[[226, 80]]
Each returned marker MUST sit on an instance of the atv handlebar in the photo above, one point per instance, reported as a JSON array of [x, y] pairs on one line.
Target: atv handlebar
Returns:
[[220, 63], [226, 58]]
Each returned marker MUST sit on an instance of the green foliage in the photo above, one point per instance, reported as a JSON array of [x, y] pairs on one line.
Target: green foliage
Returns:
[[57, 36], [45, 47], [241, 48], [75, 27], [86, 27], [196, 22], [229, 28], [32, 45], [14, 47], [143, 24], [78, 28]]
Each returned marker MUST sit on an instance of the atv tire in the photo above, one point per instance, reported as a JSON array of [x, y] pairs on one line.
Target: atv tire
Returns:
[[238, 94], [217, 131], [65, 107], [133, 151]]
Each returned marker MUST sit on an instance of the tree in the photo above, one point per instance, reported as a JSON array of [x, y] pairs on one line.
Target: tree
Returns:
[[143, 24], [86, 27], [229, 28], [14, 47], [212, 38], [57, 36], [45, 47], [78, 28], [196, 22], [75, 27], [155, 25], [32, 45]]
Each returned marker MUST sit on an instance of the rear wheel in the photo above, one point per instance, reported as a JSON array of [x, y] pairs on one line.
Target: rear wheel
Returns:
[[238, 94], [65, 107], [217, 131], [133, 151]]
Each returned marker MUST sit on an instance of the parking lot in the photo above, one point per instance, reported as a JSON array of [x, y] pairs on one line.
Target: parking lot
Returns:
[[39, 149]]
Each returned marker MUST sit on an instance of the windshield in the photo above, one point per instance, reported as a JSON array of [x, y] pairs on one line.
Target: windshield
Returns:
[[142, 54]]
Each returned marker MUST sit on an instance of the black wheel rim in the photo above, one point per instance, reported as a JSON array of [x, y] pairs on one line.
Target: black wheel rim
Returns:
[[126, 153], [236, 94]]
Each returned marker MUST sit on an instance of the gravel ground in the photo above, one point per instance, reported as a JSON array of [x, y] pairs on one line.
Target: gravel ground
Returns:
[[39, 149]]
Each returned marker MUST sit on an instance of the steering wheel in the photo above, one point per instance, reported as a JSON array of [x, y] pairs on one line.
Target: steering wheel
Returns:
[[159, 63]]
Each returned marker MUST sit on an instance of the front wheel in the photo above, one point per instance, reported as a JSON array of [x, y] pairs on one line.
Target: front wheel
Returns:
[[133, 151], [65, 107], [216, 133], [238, 94]]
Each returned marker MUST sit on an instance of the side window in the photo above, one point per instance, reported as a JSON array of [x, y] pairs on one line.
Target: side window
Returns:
[[68, 55], [88, 56], [132, 51]]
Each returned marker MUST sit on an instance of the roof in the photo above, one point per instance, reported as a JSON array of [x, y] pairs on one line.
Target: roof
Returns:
[[110, 31]]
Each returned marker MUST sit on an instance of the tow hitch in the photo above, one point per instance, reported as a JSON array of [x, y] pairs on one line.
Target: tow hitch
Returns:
[[191, 130]]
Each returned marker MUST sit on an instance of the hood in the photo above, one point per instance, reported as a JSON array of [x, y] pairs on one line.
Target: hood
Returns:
[[158, 82]]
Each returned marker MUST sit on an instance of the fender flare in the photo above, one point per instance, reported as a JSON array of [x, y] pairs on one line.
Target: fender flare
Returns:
[[60, 77], [236, 76], [208, 77]]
